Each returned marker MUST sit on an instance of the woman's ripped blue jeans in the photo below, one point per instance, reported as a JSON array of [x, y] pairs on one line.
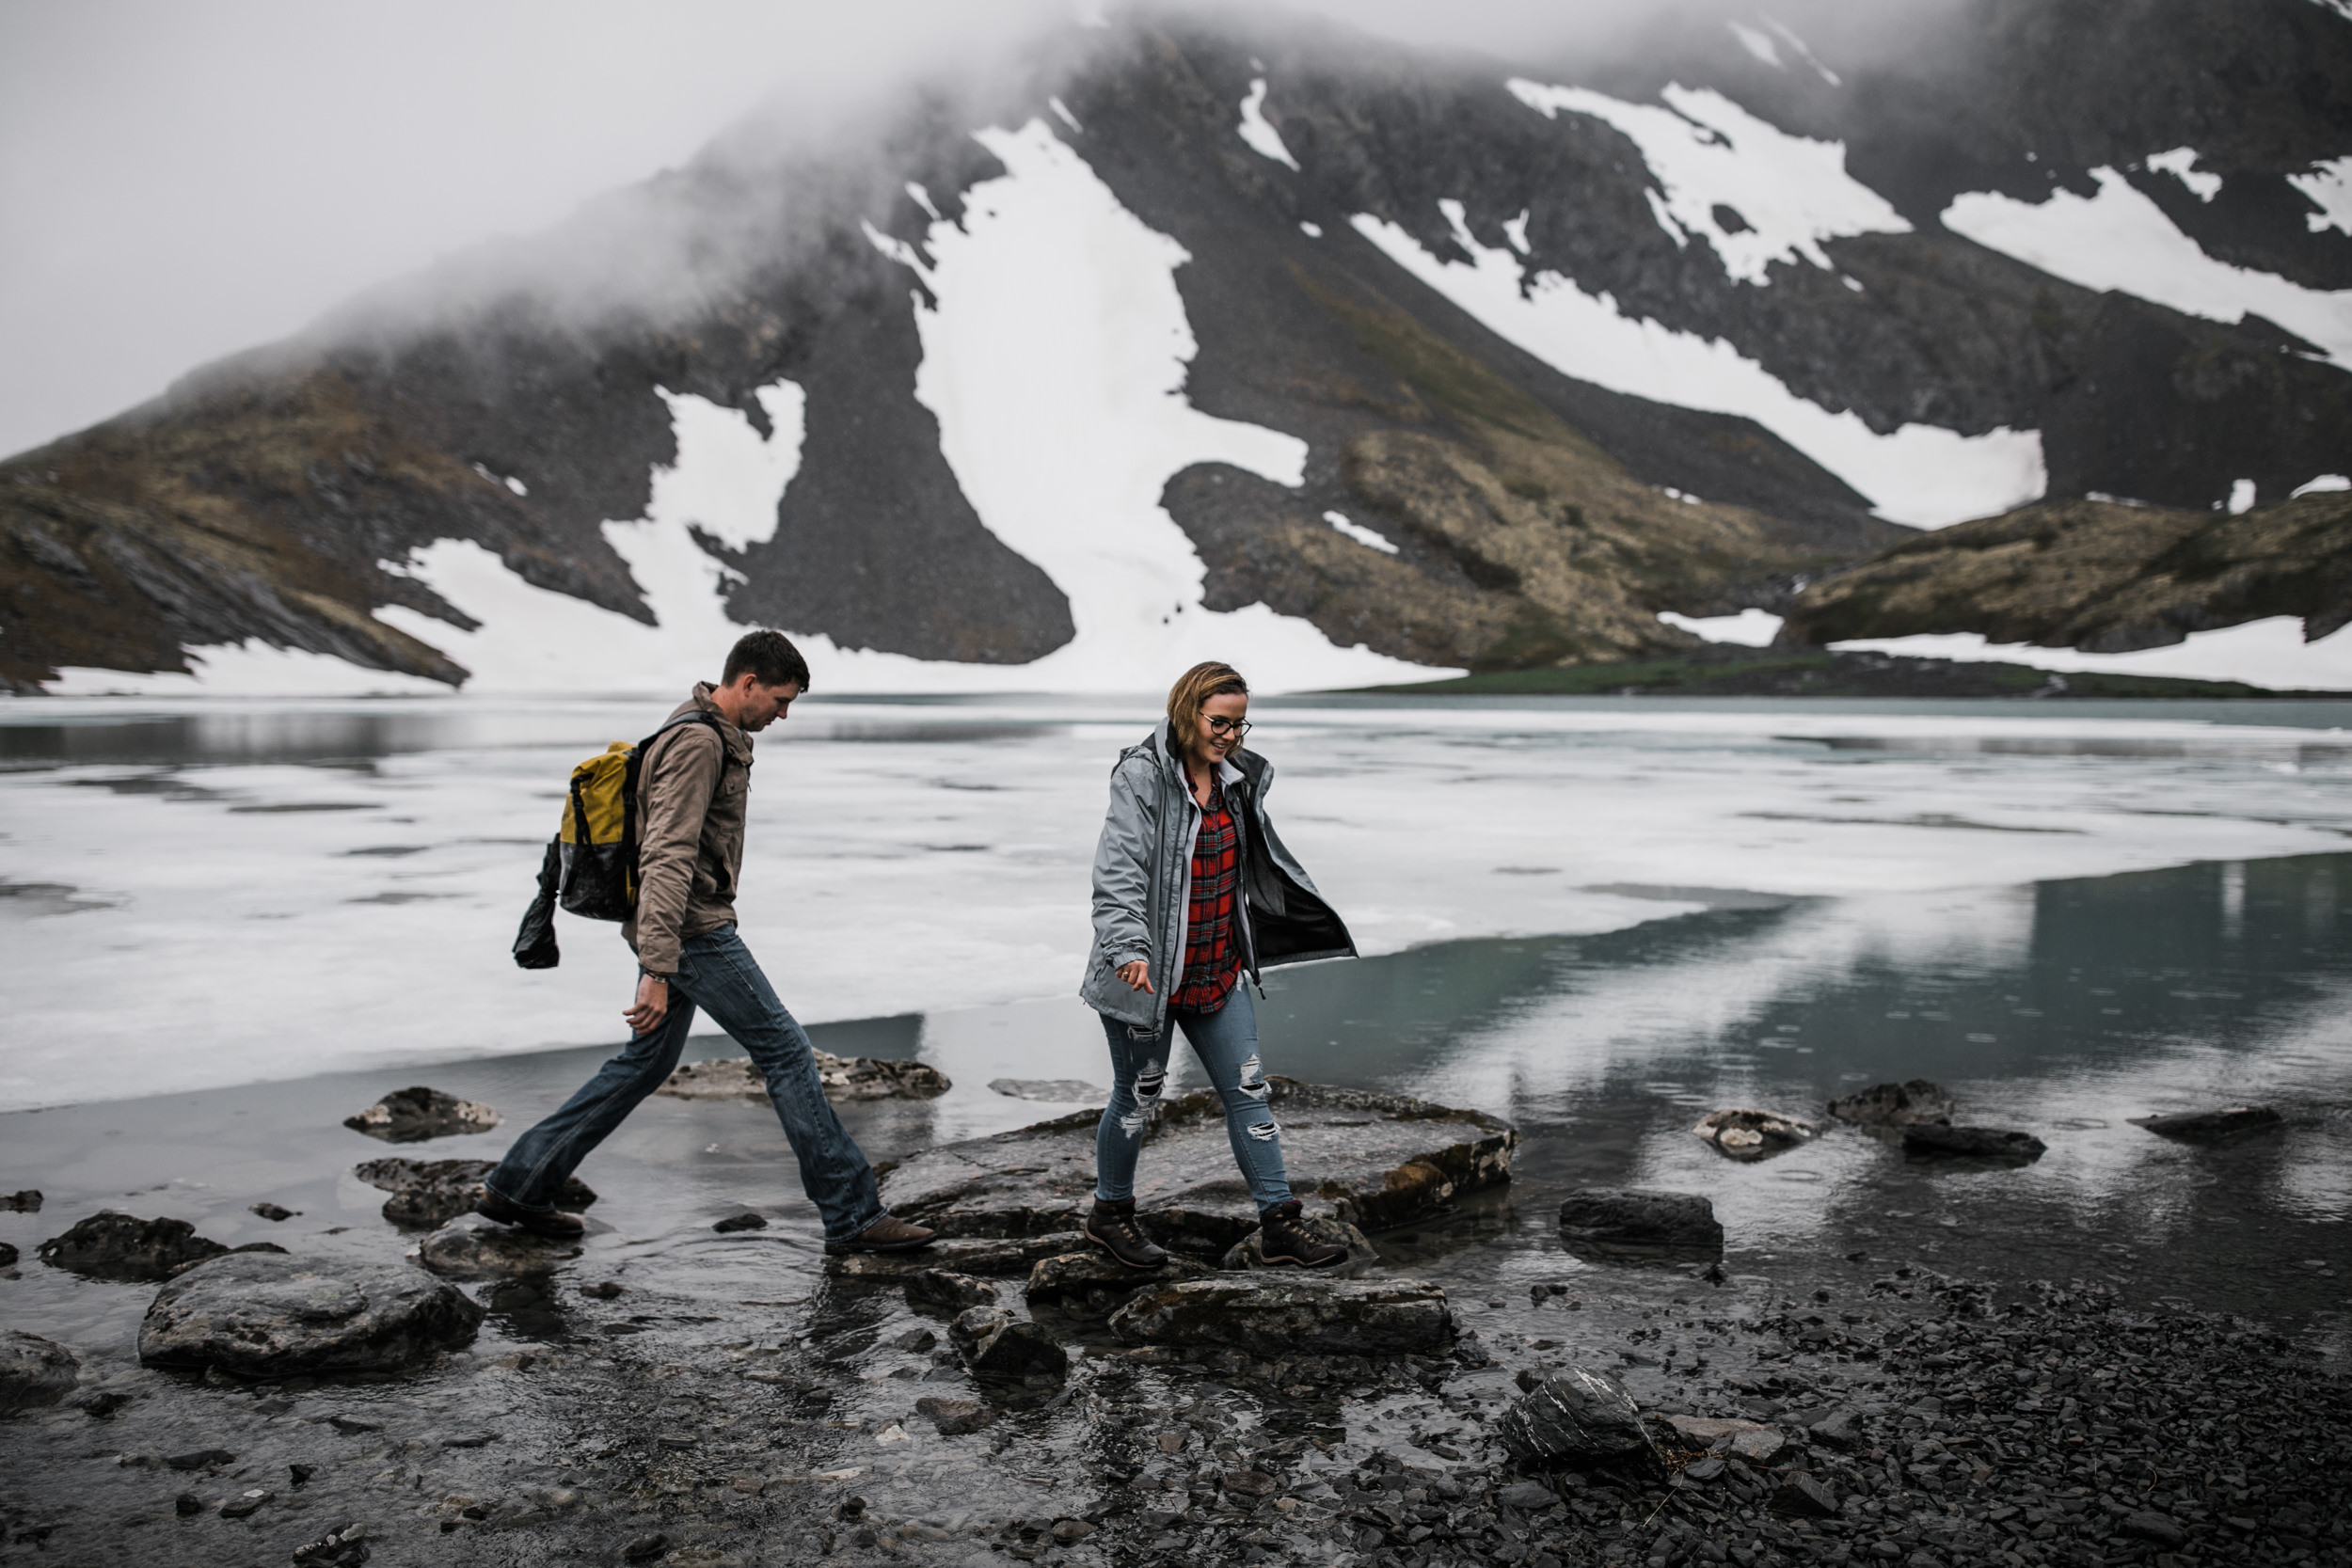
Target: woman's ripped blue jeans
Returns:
[[1225, 1042]]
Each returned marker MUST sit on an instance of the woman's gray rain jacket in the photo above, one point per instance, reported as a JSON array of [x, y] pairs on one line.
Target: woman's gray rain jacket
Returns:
[[1143, 882]]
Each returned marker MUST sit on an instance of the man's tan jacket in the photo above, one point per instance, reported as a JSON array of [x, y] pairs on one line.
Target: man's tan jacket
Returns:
[[692, 788]]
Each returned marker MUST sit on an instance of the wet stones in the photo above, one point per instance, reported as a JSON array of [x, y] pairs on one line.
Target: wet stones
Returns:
[[744, 1221], [1638, 1224], [1577, 1418], [1093, 1285], [414, 1114], [954, 1418], [1894, 1105], [1800, 1497], [274, 1212], [7, 1255], [111, 1245], [1379, 1160], [936, 1289], [1048, 1089], [262, 1316], [1249, 1252], [25, 1202], [994, 1256], [428, 1193], [1752, 1134], [1752, 1441], [1273, 1317], [850, 1078], [471, 1247], [1934, 1140], [34, 1371], [2226, 1125], [994, 1343]]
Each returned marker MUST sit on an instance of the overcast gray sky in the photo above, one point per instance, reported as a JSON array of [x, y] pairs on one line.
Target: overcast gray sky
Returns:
[[180, 180]]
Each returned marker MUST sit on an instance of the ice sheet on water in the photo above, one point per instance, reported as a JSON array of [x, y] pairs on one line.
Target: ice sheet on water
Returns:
[[2269, 653], [2118, 239], [1921, 474], [914, 858]]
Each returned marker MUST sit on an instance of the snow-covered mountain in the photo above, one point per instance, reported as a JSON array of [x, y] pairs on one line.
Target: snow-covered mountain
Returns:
[[1344, 362]]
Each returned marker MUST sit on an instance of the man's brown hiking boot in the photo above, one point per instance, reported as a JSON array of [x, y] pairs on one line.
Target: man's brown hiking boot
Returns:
[[1284, 1238], [553, 1223], [887, 1234], [1113, 1227]]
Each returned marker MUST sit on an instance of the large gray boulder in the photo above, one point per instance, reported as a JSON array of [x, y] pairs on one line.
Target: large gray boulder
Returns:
[[1267, 1315], [994, 1343], [411, 1115], [264, 1315], [1377, 1160], [428, 1193], [1577, 1417], [1093, 1285], [34, 1370], [117, 1246], [1638, 1222], [472, 1248]]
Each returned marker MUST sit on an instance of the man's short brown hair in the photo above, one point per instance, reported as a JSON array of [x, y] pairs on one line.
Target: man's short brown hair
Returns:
[[770, 656]]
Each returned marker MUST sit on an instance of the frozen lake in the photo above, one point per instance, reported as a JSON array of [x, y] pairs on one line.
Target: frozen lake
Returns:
[[201, 894]]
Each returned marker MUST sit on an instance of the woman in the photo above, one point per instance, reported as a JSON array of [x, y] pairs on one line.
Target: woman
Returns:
[[1192, 890]]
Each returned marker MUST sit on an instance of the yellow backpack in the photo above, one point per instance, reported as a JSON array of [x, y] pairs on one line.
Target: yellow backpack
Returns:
[[590, 866]]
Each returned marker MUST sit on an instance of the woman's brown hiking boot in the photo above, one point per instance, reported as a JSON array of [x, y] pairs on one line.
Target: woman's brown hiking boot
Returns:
[[1113, 1226], [1284, 1238]]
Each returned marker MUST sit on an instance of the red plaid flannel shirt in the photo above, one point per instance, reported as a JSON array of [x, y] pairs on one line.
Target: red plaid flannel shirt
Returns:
[[1212, 940]]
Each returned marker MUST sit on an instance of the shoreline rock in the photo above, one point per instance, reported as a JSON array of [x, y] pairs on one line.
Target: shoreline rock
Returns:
[[1093, 1285], [1579, 1417], [35, 1371], [1895, 1105], [472, 1248], [414, 1114], [1379, 1161], [847, 1078], [117, 1246], [1638, 1224], [1744, 1134], [428, 1193], [1273, 1317], [1936, 1140], [2227, 1125], [262, 1316]]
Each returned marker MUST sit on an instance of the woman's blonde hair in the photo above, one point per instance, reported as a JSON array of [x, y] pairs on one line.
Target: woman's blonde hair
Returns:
[[1191, 693]]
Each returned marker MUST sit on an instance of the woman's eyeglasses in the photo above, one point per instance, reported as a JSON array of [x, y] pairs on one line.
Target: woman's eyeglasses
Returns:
[[1221, 728]]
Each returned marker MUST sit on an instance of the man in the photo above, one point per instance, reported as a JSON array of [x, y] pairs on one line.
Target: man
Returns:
[[692, 784]]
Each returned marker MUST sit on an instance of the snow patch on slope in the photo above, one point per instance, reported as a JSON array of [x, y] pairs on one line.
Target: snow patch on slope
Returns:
[[1758, 44], [1055, 360], [1921, 474], [2330, 186], [1263, 137], [249, 669], [2181, 163], [2269, 653], [2120, 240], [1750, 629], [1709, 154]]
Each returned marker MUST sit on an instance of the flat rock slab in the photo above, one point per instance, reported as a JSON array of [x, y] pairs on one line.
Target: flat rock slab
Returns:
[[471, 1247], [428, 1193], [1270, 1316], [994, 1257], [2212, 1126], [1742, 1135], [264, 1316], [1635, 1224], [940, 1290], [411, 1115], [994, 1343], [1249, 1252], [1752, 1441], [1092, 1285], [1935, 1140], [1064, 1090], [1575, 1417], [35, 1371], [1378, 1160], [849, 1078], [1894, 1104], [117, 1246]]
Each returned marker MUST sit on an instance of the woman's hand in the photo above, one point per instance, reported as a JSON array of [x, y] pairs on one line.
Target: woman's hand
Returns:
[[1139, 976]]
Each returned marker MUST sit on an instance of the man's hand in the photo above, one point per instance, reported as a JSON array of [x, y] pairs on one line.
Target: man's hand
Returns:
[[1139, 976], [652, 1006]]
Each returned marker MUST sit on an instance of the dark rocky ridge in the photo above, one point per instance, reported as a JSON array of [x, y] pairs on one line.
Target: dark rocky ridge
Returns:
[[256, 498]]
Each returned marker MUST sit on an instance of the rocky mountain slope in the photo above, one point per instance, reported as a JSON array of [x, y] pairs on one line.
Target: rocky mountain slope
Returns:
[[1296, 348]]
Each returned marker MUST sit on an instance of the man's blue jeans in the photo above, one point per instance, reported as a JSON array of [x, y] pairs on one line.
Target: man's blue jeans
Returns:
[[1226, 1041], [717, 973]]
